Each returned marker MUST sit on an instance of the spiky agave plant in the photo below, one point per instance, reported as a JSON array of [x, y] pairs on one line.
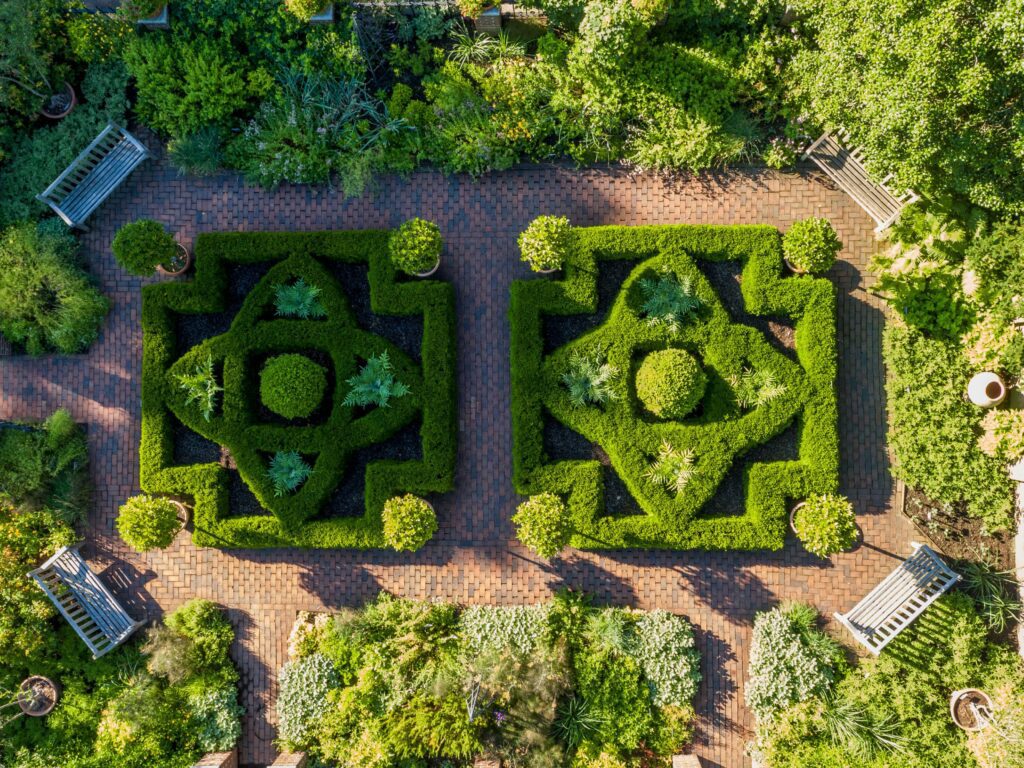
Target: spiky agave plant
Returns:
[[668, 300], [672, 468], [590, 378], [754, 388], [287, 471], [575, 722], [375, 384], [201, 387], [298, 299], [850, 727]]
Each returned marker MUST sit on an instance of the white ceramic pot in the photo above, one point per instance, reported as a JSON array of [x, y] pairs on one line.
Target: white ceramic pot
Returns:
[[431, 271], [986, 389], [979, 698]]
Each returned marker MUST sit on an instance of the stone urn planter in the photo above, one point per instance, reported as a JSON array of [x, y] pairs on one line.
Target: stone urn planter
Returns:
[[37, 696], [792, 515], [59, 105], [184, 513], [179, 266], [986, 389], [793, 268], [970, 709], [432, 270]]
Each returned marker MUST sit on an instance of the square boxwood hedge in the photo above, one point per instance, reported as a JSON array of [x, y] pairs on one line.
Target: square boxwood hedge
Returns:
[[720, 433], [293, 522]]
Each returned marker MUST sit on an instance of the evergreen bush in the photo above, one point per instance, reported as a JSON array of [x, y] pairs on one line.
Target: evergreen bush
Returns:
[[292, 385], [542, 524], [546, 243], [826, 524], [811, 245], [148, 522], [141, 246], [409, 523], [415, 247], [670, 383]]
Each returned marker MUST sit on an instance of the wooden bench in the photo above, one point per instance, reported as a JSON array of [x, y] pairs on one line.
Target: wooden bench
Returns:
[[846, 168], [84, 600], [94, 175], [901, 597]]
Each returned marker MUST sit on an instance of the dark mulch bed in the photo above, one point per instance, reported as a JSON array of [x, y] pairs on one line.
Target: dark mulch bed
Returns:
[[559, 330], [194, 329], [948, 527], [191, 448], [730, 498]]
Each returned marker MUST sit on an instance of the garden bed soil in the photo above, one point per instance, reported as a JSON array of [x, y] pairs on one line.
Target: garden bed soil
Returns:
[[955, 534]]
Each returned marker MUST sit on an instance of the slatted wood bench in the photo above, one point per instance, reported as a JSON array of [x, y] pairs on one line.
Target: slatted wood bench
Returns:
[[94, 175], [89, 607], [900, 598], [846, 168]]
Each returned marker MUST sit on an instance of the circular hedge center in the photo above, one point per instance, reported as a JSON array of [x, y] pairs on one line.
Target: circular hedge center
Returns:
[[292, 385], [670, 383]]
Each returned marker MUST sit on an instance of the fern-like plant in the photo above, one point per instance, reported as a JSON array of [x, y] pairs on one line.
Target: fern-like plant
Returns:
[[298, 299], [756, 388], [201, 387], [375, 384], [672, 468], [288, 470], [589, 378], [668, 300]]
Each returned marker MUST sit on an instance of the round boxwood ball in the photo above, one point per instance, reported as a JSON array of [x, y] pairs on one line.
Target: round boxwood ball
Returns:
[[670, 383], [292, 385]]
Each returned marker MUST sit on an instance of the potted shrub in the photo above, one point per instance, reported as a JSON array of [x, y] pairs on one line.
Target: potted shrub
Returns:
[[811, 246], [825, 524], [542, 524], [35, 697], [409, 522], [143, 246], [311, 11], [150, 522], [26, 64], [546, 243], [415, 247]]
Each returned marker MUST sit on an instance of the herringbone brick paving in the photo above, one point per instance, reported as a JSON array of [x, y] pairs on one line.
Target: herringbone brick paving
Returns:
[[474, 557]]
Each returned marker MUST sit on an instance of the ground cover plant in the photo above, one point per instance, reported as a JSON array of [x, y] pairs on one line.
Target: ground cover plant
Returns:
[[402, 682], [291, 436], [672, 464]]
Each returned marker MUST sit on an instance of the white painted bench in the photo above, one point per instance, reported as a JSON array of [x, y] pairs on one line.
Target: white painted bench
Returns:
[[94, 175], [902, 596], [89, 607], [846, 168]]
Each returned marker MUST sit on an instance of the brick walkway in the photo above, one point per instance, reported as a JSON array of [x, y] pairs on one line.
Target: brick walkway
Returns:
[[474, 558]]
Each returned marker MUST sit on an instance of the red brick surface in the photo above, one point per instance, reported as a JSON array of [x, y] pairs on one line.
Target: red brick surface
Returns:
[[474, 557]]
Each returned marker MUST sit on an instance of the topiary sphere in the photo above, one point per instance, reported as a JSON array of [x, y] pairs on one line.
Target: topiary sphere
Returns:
[[670, 383], [409, 522], [292, 385], [140, 246], [811, 245]]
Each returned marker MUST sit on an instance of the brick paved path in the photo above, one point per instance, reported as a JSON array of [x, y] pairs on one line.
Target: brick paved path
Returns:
[[474, 557]]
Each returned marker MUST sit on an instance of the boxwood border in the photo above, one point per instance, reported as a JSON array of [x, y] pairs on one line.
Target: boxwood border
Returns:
[[809, 301], [206, 484]]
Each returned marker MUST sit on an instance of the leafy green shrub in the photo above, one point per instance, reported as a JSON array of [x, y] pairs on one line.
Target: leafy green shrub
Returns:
[[415, 247], [47, 303], [200, 153], [619, 698], [148, 522], [590, 378], [287, 471], [303, 688], [994, 592], [755, 388], [670, 383], [826, 524], [542, 524], [292, 385], [516, 628], [546, 243], [409, 523], [201, 387], [46, 466], [668, 300], [666, 650], [217, 718], [169, 654], [304, 10], [780, 153], [140, 246], [207, 626], [994, 343], [811, 245], [1003, 434], [298, 300], [790, 661], [375, 384], [672, 468]]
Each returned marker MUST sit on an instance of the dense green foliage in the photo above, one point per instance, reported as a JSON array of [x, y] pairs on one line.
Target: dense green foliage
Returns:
[[542, 524], [589, 378], [673, 468], [811, 245], [826, 524], [148, 522], [402, 682], [415, 247], [292, 385], [670, 383], [375, 384], [546, 243], [141, 246], [298, 299], [409, 522], [47, 302], [325, 445]]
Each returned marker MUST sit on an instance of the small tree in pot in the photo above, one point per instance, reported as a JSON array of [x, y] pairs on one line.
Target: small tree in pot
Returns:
[[826, 524], [542, 524], [811, 245], [415, 247], [26, 61], [545, 244], [409, 522], [143, 246], [150, 522]]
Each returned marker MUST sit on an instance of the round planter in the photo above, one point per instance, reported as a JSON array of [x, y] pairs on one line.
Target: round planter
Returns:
[[68, 103], [986, 389], [37, 696], [431, 271], [963, 713], [792, 516], [184, 513], [792, 268], [184, 262], [546, 271]]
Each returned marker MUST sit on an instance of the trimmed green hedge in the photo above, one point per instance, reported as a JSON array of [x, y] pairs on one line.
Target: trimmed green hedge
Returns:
[[721, 432], [235, 423]]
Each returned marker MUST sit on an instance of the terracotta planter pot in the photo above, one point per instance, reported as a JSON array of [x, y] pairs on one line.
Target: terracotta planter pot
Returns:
[[431, 271], [70, 101], [986, 389], [185, 260], [37, 696], [963, 713]]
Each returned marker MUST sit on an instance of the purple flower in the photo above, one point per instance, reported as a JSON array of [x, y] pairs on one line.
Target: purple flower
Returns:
[[499, 716]]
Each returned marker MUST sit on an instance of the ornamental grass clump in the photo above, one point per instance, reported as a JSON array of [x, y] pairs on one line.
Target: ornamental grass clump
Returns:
[[542, 524], [287, 471], [668, 300], [811, 245], [148, 522], [590, 378], [409, 522], [292, 386], [670, 383], [299, 300], [201, 387], [375, 384], [826, 524], [141, 246], [415, 247], [545, 244], [672, 468]]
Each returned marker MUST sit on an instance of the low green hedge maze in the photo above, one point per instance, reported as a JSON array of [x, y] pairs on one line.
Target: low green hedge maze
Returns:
[[327, 445], [719, 432]]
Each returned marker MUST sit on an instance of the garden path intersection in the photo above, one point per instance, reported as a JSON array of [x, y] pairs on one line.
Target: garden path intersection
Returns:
[[474, 557]]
